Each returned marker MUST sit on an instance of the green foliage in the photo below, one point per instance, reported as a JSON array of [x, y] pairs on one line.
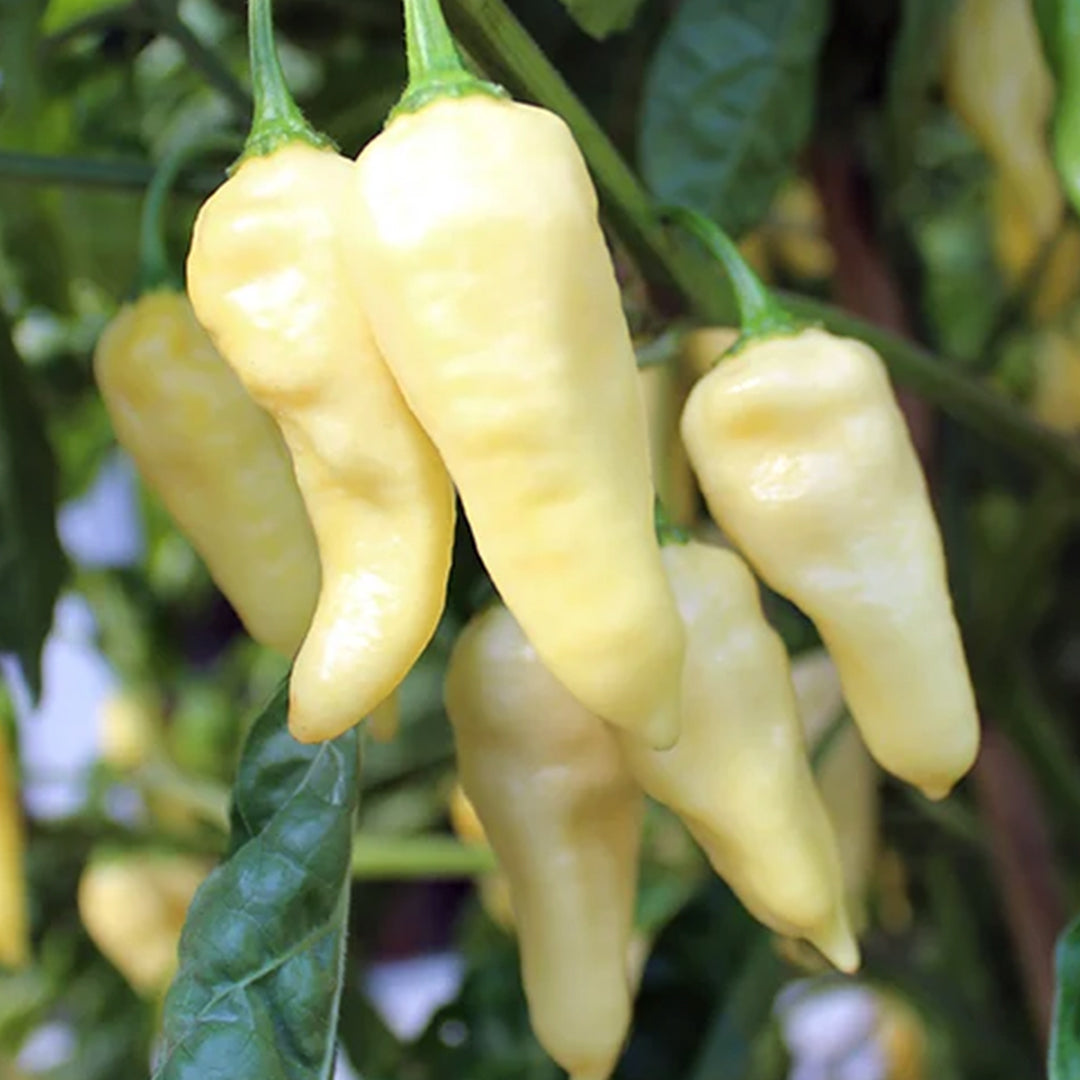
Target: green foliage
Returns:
[[262, 951], [603, 17], [1064, 1063], [32, 565], [729, 102]]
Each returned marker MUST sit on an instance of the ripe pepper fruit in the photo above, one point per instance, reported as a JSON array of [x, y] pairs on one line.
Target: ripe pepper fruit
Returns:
[[216, 461], [739, 776], [133, 906], [14, 913], [563, 816], [805, 461], [267, 280], [997, 81], [480, 259], [847, 775]]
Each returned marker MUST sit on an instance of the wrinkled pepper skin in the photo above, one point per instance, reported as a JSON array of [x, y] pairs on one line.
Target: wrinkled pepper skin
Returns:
[[266, 279], [493, 297], [133, 906], [739, 776], [564, 817], [806, 463], [998, 82], [216, 461], [14, 906]]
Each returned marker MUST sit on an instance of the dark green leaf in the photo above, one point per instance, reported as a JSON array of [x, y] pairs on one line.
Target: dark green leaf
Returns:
[[600, 18], [729, 102], [32, 566], [1048, 18], [913, 68], [261, 956], [1064, 1062]]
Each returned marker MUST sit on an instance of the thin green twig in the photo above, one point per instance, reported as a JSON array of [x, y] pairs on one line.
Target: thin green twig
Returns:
[[202, 58], [87, 172], [419, 858]]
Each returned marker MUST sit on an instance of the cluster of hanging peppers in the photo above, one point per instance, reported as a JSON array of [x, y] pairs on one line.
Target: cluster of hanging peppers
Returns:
[[443, 314]]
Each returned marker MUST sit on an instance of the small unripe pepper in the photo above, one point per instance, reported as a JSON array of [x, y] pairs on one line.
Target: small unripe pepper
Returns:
[[739, 776], [805, 461], [14, 913], [267, 280], [563, 816], [216, 461], [479, 256]]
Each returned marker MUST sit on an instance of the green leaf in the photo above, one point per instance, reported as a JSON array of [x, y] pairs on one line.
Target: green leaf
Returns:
[[729, 102], [1064, 1060], [60, 14], [261, 955], [913, 68], [599, 18], [32, 564]]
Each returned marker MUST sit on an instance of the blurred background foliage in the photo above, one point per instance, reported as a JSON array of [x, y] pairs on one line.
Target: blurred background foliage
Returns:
[[818, 133]]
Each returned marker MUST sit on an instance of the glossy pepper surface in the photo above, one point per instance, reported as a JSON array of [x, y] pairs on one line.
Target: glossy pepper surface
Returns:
[[563, 816], [806, 463], [216, 461], [266, 277], [739, 775], [14, 907], [492, 294]]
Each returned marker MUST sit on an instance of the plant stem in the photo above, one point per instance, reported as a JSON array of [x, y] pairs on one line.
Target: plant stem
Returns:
[[278, 119], [85, 172], [419, 858], [155, 269], [759, 312], [435, 66], [202, 58], [504, 49]]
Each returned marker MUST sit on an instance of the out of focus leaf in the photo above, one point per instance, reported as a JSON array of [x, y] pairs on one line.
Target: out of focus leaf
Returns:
[[256, 997], [32, 565], [729, 101], [600, 18], [1064, 1061], [913, 67], [60, 14]]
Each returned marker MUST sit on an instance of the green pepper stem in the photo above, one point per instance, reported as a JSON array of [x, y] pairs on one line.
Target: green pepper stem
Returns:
[[278, 119], [436, 69], [155, 268], [667, 532], [760, 313]]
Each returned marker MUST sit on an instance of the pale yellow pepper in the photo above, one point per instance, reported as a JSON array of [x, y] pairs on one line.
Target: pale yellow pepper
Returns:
[[1055, 400], [494, 888], [14, 905], [564, 817], [268, 281], [703, 347], [795, 232], [739, 776], [664, 389], [997, 80], [847, 775], [215, 460], [133, 906], [805, 461], [480, 259]]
